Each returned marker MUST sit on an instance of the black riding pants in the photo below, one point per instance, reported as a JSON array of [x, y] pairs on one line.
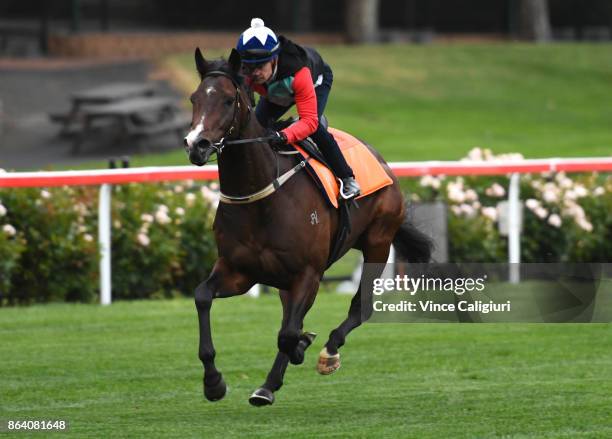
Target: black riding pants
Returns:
[[268, 113]]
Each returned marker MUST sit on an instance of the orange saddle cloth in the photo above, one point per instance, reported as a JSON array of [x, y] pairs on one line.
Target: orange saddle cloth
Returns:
[[368, 171]]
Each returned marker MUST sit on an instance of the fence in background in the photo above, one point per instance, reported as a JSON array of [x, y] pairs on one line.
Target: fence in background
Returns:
[[106, 178]]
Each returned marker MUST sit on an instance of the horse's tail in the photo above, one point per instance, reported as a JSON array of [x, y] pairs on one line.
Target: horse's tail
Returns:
[[411, 244]]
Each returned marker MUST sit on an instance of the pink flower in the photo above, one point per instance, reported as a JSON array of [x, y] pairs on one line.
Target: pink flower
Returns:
[[540, 212], [554, 220], [475, 155], [430, 181], [9, 230], [455, 209], [489, 213], [190, 199], [471, 195], [532, 204], [580, 191], [496, 190], [143, 239], [468, 210], [455, 192], [161, 216], [584, 224]]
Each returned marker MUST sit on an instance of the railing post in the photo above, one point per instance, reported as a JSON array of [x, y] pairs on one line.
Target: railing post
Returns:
[[104, 240], [514, 229]]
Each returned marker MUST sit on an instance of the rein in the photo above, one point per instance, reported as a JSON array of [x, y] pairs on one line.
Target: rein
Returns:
[[218, 147]]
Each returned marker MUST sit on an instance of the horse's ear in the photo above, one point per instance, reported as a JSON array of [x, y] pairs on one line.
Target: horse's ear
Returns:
[[235, 61], [200, 62]]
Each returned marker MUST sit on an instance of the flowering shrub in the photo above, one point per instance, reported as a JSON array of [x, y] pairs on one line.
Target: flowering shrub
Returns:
[[161, 238], [162, 243], [163, 246], [11, 247], [565, 218], [50, 242]]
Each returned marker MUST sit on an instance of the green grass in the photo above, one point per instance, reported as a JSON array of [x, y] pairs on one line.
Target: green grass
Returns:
[[436, 102], [131, 370]]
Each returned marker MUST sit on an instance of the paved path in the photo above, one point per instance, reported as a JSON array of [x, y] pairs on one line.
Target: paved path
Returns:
[[29, 91]]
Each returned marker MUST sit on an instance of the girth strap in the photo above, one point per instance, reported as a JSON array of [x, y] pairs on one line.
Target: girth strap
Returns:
[[344, 229], [268, 190]]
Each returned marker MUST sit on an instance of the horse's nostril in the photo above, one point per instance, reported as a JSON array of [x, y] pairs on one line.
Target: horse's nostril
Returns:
[[203, 144], [185, 142]]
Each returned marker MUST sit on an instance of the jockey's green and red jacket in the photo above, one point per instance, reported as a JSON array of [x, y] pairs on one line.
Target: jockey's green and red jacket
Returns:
[[299, 70]]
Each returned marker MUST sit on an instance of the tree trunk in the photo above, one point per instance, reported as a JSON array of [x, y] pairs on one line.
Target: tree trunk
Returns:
[[361, 21], [534, 20]]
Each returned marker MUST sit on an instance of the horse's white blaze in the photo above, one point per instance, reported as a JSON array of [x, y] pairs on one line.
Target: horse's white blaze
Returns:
[[195, 133], [210, 90]]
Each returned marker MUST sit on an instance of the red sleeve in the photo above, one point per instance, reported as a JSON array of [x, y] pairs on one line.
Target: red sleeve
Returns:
[[306, 104]]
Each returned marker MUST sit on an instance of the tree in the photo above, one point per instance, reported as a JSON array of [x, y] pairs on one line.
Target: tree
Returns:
[[534, 20], [362, 21]]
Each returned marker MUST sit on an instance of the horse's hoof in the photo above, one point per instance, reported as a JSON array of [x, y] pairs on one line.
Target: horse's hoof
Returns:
[[215, 392], [328, 364], [261, 397]]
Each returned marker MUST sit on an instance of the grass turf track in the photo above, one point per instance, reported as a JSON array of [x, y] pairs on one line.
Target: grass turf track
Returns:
[[131, 370]]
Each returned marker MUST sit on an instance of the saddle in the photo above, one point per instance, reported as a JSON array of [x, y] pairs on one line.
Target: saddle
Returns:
[[368, 171]]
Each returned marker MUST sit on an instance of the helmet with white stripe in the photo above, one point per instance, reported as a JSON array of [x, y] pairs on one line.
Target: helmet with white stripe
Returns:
[[258, 43]]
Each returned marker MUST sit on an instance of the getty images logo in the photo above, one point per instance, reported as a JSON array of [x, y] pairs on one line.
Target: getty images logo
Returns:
[[405, 283]]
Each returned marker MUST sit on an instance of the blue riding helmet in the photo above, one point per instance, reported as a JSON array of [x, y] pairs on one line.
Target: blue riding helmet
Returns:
[[258, 43]]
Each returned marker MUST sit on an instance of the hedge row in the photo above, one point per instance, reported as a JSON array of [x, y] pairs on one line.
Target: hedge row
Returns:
[[566, 218], [163, 246], [162, 243]]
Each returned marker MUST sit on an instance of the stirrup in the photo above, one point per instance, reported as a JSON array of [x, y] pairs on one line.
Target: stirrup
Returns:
[[348, 197]]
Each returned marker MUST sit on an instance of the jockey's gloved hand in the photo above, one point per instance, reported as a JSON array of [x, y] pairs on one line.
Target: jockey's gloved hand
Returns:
[[277, 138]]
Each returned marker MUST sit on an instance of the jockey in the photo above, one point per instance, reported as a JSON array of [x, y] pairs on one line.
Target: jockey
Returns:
[[284, 74]]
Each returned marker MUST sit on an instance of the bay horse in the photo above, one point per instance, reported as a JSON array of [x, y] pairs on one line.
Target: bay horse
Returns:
[[270, 237]]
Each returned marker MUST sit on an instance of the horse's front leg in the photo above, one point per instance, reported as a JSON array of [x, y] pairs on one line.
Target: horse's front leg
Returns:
[[222, 282], [292, 342]]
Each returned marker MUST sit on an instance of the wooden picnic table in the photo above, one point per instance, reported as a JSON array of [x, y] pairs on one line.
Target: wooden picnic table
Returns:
[[131, 109], [72, 121], [134, 118]]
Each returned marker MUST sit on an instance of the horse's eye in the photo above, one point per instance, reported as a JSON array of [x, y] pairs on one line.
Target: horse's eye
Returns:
[[229, 102]]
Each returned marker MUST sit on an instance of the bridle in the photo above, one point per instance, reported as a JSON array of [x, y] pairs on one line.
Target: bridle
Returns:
[[223, 142]]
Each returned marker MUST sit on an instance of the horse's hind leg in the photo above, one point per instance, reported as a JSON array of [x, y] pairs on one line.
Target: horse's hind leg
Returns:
[[221, 283], [329, 357]]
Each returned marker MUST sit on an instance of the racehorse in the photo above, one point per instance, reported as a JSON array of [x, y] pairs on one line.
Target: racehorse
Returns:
[[278, 236]]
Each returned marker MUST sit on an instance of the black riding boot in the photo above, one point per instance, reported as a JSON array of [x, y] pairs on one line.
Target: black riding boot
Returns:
[[349, 188]]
